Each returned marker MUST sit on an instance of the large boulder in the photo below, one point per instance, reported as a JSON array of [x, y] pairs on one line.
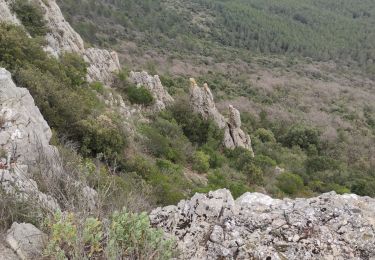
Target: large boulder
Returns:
[[26, 240], [255, 226], [202, 102]]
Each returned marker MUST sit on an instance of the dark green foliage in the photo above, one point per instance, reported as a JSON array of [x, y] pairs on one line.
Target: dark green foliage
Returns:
[[100, 135], [75, 69], [290, 183], [31, 16], [364, 187], [166, 178], [302, 136], [140, 95], [198, 130], [201, 162], [166, 140]]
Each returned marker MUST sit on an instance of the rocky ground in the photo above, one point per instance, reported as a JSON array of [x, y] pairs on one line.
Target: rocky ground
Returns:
[[255, 226]]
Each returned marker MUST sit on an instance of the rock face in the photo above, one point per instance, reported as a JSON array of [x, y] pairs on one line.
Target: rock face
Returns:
[[102, 65], [63, 38], [153, 84], [255, 226], [5, 13], [202, 102], [26, 240], [23, 129]]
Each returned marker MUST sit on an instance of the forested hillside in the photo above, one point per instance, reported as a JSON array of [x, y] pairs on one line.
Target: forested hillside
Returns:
[[340, 30], [300, 72]]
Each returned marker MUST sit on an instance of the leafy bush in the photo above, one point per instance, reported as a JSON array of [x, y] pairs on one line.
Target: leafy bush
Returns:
[[140, 95], [198, 130], [166, 140], [201, 162], [129, 236], [100, 135], [265, 135], [31, 16], [290, 183], [302, 136], [75, 68]]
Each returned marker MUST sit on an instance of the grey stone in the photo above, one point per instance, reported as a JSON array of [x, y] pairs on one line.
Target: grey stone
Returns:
[[26, 240], [255, 226]]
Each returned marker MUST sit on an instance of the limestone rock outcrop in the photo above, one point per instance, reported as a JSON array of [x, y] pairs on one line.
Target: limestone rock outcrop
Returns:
[[63, 38], [24, 146], [154, 85], [23, 129], [102, 65], [202, 102], [6, 15], [26, 240], [255, 226]]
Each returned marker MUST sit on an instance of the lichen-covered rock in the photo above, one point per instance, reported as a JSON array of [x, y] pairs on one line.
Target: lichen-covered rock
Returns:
[[6, 15], [6, 253], [255, 226], [26, 240], [202, 102], [154, 85]]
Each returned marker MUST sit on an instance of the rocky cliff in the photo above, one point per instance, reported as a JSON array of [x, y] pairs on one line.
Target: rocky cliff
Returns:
[[255, 226], [202, 102]]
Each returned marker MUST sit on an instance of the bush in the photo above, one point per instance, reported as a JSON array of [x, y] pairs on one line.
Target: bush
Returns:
[[129, 236], [265, 135], [140, 95], [198, 130], [75, 69], [302, 136], [201, 162], [290, 183], [31, 16], [100, 135]]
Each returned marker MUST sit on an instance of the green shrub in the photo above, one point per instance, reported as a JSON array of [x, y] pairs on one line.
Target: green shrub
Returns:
[[31, 16], [290, 183], [140, 95], [98, 87], [201, 162], [128, 236], [254, 174], [75, 69], [302, 136], [131, 237], [198, 130], [100, 135], [265, 135], [165, 139]]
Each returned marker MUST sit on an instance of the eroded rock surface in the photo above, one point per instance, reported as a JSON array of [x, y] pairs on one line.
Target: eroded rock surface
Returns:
[[153, 84], [255, 226], [26, 240], [202, 102]]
